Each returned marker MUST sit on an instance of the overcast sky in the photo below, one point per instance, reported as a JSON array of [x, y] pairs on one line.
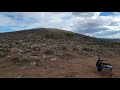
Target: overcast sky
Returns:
[[96, 24]]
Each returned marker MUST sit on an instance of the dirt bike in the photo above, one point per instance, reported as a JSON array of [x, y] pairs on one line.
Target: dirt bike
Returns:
[[107, 66]]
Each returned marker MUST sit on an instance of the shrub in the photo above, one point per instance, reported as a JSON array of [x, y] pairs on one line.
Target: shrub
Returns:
[[5, 49], [47, 52], [75, 48], [88, 49], [16, 60], [36, 48], [47, 36], [34, 54], [21, 60], [50, 36], [3, 54], [64, 48], [69, 35]]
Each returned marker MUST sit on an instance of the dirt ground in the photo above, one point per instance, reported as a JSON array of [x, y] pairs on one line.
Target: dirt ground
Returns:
[[80, 67]]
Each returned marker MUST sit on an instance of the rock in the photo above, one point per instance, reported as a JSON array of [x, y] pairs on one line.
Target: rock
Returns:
[[8, 56], [33, 63], [42, 60], [34, 58], [18, 77], [14, 50], [53, 59], [24, 67], [47, 56], [44, 56], [20, 41], [48, 69], [78, 75], [43, 69]]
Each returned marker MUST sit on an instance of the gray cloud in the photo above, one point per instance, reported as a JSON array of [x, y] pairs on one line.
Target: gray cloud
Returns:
[[85, 14], [105, 33], [90, 31], [114, 23]]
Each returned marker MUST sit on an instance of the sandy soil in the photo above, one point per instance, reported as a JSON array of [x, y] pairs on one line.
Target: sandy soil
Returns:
[[80, 67]]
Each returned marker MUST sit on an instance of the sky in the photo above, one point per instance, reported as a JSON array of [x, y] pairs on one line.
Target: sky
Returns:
[[95, 24]]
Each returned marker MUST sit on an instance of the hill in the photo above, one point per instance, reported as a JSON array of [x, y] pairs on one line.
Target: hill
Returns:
[[113, 40], [49, 48]]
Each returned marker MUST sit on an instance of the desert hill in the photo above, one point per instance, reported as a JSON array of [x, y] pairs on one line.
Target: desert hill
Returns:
[[49, 50]]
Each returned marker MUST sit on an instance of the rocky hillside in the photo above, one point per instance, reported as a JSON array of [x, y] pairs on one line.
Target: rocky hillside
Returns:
[[44, 43]]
